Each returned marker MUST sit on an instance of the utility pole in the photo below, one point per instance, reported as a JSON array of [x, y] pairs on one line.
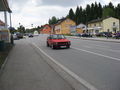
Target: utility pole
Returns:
[[10, 20], [5, 17]]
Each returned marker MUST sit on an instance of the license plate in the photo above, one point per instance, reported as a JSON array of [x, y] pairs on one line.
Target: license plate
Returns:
[[63, 46]]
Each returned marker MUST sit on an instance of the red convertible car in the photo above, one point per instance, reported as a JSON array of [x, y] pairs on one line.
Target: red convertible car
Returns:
[[58, 41]]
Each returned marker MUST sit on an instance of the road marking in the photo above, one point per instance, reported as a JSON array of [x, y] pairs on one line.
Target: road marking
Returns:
[[117, 51], [100, 46], [87, 46], [76, 77], [97, 54]]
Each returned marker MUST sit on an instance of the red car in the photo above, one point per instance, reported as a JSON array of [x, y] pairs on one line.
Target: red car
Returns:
[[58, 41]]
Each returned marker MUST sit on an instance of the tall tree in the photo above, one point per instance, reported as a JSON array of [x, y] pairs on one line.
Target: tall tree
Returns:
[[71, 14], [100, 10], [77, 15], [88, 11]]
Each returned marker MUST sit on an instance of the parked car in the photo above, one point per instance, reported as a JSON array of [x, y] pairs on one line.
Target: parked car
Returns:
[[116, 35], [86, 35], [19, 35], [15, 37], [104, 34], [30, 35], [58, 41]]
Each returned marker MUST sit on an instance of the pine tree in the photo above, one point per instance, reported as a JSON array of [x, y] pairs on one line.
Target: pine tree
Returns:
[[117, 13], [77, 14], [71, 14], [88, 11], [100, 10]]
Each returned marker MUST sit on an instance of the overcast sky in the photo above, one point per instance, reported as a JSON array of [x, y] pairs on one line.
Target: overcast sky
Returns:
[[38, 12]]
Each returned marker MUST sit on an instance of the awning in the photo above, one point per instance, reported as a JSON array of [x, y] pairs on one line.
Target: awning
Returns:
[[4, 6]]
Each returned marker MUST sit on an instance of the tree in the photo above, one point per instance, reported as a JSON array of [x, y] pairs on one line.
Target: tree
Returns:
[[21, 29], [108, 12], [100, 10], [71, 14], [117, 11], [77, 14], [12, 30], [53, 20], [88, 11]]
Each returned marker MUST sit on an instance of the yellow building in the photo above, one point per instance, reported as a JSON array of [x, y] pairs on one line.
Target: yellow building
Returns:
[[109, 24], [63, 26]]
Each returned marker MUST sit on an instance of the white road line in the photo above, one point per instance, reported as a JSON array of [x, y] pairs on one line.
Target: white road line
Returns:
[[87, 46], [80, 80], [117, 51], [97, 54], [100, 46]]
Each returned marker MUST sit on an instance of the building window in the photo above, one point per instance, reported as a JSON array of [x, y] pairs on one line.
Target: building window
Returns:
[[90, 25], [113, 23], [45, 27], [67, 20]]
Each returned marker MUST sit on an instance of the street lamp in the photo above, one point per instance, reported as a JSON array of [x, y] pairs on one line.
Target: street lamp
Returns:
[[86, 22]]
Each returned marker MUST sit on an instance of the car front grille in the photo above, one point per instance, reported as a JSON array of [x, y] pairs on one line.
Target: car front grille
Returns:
[[62, 43]]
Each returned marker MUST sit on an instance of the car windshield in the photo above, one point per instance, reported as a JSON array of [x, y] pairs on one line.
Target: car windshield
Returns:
[[58, 37]]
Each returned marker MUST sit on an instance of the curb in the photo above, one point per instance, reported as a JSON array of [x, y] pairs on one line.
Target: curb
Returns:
[[5, 62], [100, 40], [75, 81]]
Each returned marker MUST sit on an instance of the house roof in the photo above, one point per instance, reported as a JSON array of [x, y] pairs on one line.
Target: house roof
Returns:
[[95, 20], [4, 6], [61, 20], [2, 23], [98, 20]]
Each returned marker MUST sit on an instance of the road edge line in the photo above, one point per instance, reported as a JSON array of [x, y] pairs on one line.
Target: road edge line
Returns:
[[6, 60], [100, 40], [73, 79]]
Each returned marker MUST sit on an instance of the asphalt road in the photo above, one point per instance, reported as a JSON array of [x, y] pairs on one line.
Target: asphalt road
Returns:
[[96, 62], [26, 69]]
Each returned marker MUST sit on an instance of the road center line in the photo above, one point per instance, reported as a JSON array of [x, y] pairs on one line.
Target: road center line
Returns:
[[96, 54], [80, 80]]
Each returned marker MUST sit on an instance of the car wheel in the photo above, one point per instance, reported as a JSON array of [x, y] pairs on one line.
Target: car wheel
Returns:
[[47, 44], [68, 46], [52, 46]]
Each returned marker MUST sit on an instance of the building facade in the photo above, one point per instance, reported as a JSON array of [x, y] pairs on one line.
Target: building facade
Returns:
[[46, 29], [109, 24], [63, 26]]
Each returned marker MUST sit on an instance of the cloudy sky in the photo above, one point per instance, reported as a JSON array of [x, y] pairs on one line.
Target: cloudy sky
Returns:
[[38, 12]]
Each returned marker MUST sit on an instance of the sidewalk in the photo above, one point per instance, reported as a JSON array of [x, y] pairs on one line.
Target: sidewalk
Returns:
[[102, 39], [26, 70], [96, 39]]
